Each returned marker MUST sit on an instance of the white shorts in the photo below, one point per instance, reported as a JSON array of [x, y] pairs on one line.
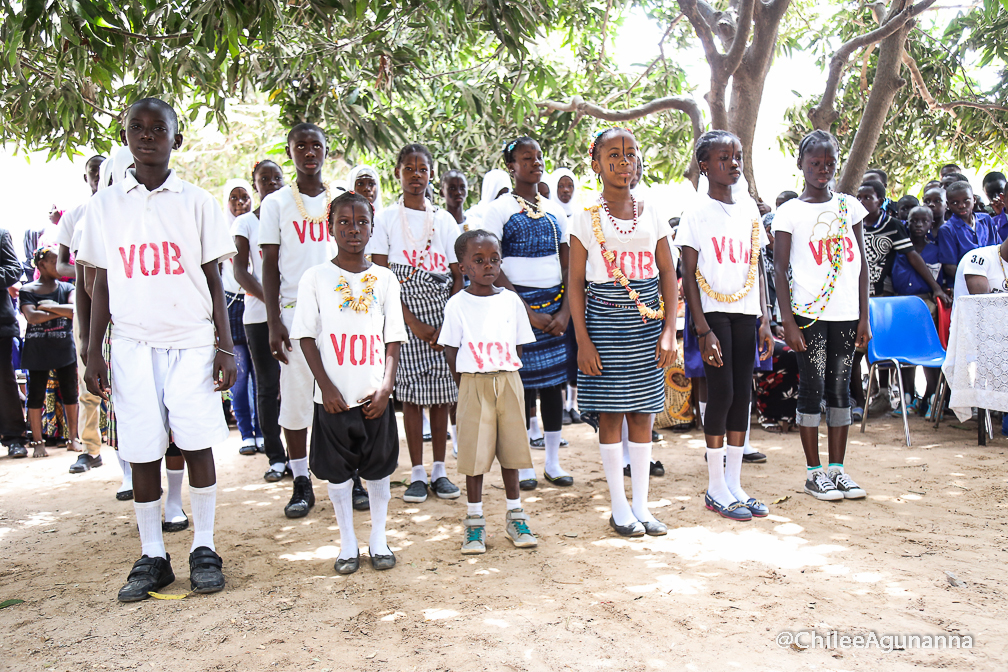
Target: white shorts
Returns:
[[159, 390], [297, 384]]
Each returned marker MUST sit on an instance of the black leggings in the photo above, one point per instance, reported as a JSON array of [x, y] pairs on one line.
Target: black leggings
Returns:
[[825, 367], [267, 374], [729, 387], [550, 407], [38, 379]]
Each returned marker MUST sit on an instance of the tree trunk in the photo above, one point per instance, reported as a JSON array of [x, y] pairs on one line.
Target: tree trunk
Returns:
[[883, 91]]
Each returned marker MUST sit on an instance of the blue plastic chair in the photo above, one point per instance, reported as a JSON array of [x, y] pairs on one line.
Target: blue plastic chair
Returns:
[[903, 334]]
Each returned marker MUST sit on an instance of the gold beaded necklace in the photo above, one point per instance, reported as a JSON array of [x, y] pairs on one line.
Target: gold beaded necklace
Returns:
[[324, 218], [750, 278]]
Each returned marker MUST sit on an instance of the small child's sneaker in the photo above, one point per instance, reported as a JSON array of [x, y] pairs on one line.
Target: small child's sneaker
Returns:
[[474, 541], [517, 529], [846, 485], [821, 486]]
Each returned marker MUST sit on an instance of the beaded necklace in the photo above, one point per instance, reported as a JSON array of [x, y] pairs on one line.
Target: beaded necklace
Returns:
[[612, 220], [362, 303], [754, 252], [618, 277], [818, 304], [296, 193], [535, 212]]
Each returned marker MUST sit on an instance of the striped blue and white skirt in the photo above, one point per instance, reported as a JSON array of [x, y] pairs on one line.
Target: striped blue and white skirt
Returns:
[[544, 363], [631, 381]]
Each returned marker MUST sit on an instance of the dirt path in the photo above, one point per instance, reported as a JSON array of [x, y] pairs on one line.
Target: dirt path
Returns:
[[711, 595]]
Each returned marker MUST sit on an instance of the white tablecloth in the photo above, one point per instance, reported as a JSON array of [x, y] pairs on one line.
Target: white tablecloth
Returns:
[[976, 364]]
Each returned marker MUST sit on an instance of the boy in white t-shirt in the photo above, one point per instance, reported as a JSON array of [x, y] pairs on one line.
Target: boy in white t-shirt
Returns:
[[983, 271], [293, 237], [156, 242], [349, 320], [482, 334]]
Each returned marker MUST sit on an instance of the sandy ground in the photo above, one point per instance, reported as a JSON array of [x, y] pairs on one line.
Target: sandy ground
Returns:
[[713, 594]]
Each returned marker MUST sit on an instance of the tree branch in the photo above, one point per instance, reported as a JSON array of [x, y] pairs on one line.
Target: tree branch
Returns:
[[660, 57], [146, 38], [605, 28], [579, 105], [48, 75], [738, 46], [703, 31]]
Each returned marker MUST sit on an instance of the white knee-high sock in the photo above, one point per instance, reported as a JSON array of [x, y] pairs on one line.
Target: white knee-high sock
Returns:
[[625, 437], [204, 505], [552, 467], [612, 465], [640, 474], [127, 469], [716, 486], [341, 495], [173, 500], [380, 494], [733, 472], [149, 521]]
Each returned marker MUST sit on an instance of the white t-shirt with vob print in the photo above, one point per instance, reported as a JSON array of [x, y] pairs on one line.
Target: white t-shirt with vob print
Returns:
[[153, 245], [721, 233], [812, 226], [302, 243], [352, 344], [636, 257], [486, 331], [529, 252], [390, 238], [985, 262]]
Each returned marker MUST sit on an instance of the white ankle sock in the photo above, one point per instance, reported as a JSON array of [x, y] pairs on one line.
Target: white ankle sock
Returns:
[[418, 473], [526, 474], [127, 469], [148, 516], [716, 486], [625, 437], [552, 466], [512, 504], [173, 500], [640, 475], [438, 471], [474, 508], [299, 467], [342, 499], [379, 494], [733, 473], [534, 432], [613, 467], [204, 504], [278, 466]]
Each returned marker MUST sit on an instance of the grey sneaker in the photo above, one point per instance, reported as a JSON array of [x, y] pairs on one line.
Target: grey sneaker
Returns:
[[821, 486], [416, 492], [846, 485], [518, 530], [474, 541], [445, 489]]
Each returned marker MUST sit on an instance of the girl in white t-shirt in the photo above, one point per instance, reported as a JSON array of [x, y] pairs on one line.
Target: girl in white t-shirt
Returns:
[[723, 281], [821, 278], [267, 178], [416, 241], [620, 248]]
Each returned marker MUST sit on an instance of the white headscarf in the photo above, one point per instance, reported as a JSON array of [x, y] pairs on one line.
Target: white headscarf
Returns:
[[114, 169], [364, 169], [229, 186], [567, 207], [493, 182]]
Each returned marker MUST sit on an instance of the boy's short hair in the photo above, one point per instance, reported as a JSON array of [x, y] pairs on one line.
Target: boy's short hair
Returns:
[[923, 209], [959, 177], [883, 176], [462, 242], [959, 186], [994, 176], [157, 102], [950, 165], [787, 195], [908, 198], [305, 126], [875, 186]]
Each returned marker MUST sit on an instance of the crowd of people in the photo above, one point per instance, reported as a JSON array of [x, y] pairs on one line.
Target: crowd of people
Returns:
[[492, 327]]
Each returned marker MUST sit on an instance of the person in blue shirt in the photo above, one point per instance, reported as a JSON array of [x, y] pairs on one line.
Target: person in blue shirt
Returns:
[[965, 230], [994, 187]]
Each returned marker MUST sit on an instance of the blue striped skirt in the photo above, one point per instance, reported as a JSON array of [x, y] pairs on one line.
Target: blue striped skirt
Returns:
[[544, 363], [631, 381]]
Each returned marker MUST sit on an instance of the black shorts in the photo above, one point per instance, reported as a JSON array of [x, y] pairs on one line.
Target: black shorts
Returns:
[[344, 443]]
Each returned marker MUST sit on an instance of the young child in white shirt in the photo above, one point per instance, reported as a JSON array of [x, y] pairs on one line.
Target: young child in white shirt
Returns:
[[156, 242], [349, 320], [293, 237], [482, 334]]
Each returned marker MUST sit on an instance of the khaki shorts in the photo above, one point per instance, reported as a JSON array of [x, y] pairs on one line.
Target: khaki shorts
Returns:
[[491, 423]]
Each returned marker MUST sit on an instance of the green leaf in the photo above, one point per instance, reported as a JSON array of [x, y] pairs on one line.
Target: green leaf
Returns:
[[10, 603]]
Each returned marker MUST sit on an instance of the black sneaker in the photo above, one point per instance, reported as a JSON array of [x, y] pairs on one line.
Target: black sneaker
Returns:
[[657, 468], [206, 573], [302, 499], [821, 486], [754, 458], [148, 575], [528, 484], [84, 463], [361, 502], [575, 416], [17, 450], [416, 492], [445, 489]]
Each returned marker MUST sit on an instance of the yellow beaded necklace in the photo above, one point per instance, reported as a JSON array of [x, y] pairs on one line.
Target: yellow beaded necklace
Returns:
[[324, 218], [610, 259], [750, 278], [362, 303]]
